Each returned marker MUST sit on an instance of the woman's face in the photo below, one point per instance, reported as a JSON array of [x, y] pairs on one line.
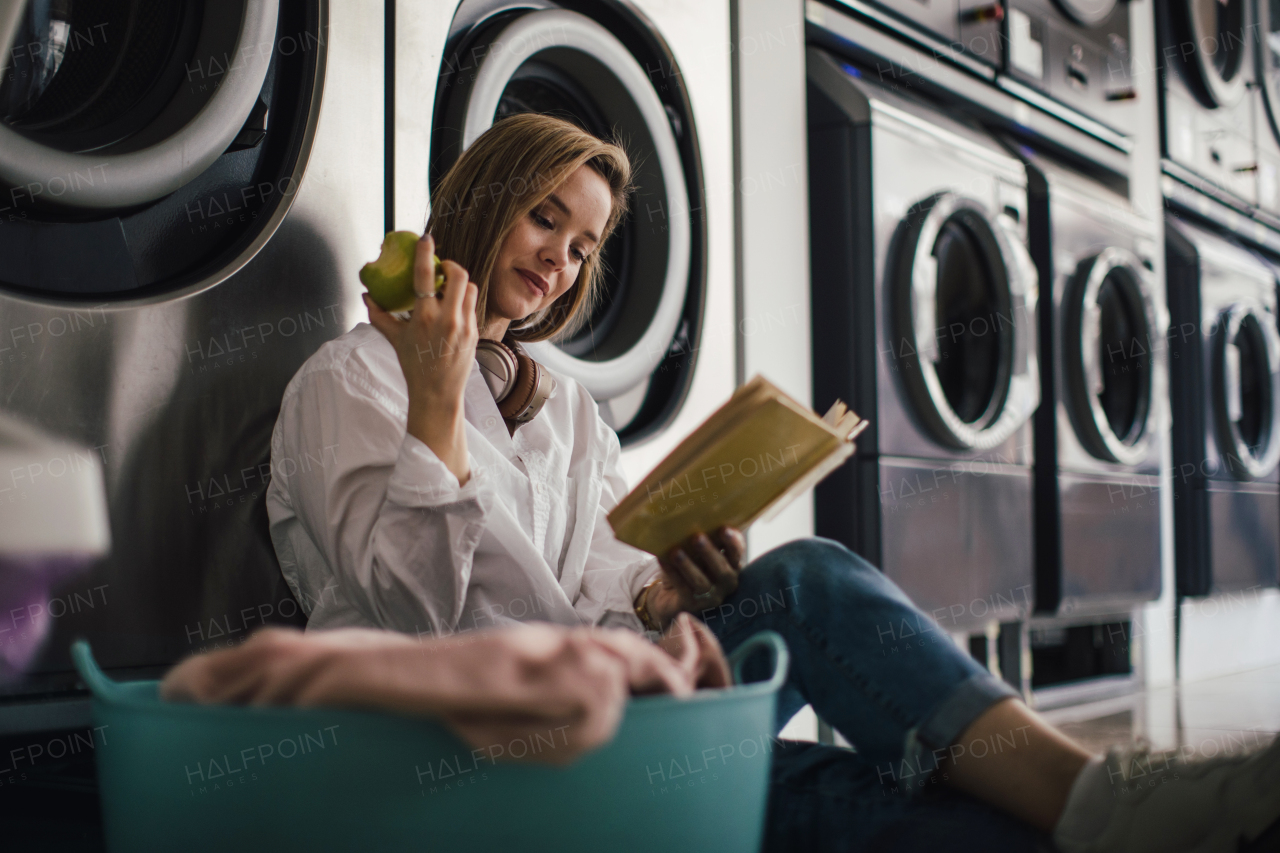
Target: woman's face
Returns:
[[541, 256]]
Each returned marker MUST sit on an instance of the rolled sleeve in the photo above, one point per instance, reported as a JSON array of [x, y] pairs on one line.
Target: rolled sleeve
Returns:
[[420, 479]]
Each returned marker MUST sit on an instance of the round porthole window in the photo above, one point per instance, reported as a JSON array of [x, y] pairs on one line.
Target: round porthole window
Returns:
[[1246, 390], [1217, 30], [563, 63], [1087, 13], [1107, 353], [1269, 60], [150, 146], [963, 301], [96, 114]]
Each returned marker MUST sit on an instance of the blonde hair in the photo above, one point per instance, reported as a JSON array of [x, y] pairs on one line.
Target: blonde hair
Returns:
[[509, 170]]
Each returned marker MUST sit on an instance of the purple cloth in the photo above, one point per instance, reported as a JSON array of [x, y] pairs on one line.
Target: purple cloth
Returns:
[[25, 583]]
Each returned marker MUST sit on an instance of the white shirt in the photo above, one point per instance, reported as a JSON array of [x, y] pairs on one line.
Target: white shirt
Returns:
[[372, 529]]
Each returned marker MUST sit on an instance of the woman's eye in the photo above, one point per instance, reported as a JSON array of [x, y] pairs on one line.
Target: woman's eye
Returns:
[[543, 221], [578, 255]]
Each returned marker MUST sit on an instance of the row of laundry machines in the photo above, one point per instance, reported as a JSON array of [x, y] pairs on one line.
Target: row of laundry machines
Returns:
[[1024, 333], [187, 190]]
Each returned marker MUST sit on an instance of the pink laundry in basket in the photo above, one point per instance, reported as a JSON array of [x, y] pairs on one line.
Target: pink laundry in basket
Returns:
[[487, 686]]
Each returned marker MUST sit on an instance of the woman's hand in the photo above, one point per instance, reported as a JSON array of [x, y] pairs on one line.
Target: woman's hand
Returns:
[[698, 574], [436, 347]]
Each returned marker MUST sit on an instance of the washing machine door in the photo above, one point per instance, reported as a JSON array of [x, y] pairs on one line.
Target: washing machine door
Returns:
[[1246, 390], [1108, 325], [1217, 29], [563, 63], [1269, 59], [1087, 13], [962, 301], [109, 105]]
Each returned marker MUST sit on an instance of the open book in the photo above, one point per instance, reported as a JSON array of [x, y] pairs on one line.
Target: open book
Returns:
[[749, 460]]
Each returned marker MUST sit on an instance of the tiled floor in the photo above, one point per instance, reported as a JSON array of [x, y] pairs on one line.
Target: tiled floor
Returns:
[[1226, 713]]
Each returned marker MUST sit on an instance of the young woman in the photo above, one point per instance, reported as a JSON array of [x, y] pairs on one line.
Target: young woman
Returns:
[[411, 504]]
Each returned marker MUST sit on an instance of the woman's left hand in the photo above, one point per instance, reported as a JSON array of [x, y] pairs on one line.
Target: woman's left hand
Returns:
[[698, 574]]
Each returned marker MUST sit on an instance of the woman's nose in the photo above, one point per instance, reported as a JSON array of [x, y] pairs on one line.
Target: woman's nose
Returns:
[[556, 255]]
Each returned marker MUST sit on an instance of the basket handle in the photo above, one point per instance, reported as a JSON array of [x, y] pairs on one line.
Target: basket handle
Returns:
[[97, 681], [781, 658]]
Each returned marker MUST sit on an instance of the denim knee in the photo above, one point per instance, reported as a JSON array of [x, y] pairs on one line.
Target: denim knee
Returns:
[[823, 568]]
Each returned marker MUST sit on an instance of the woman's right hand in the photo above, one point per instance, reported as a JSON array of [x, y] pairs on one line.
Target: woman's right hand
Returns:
[[436, 347]]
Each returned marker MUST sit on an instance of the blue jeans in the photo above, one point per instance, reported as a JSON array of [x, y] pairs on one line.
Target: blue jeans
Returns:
[[892, 682]]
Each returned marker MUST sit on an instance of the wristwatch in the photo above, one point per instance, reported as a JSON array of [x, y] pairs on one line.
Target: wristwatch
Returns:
[[642, 607]]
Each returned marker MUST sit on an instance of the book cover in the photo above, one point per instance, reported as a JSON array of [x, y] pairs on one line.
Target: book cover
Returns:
[[748, 460]]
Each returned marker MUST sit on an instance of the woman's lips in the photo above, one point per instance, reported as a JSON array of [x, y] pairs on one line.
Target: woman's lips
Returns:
[[535, 283]]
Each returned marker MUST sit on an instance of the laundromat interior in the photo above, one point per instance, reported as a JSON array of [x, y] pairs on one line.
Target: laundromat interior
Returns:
[[1034, 244]]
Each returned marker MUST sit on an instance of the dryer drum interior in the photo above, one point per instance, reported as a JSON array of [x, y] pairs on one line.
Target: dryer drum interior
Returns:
[[1216, 30], [142, 142], [960, 331], [1107, 344], [562, 63], [1246, 381]]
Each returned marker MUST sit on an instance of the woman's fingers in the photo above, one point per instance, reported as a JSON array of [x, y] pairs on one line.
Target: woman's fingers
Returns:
[[649, 669], [732, 544], [712, 563], [672, 580], [424, 268], [379, 319], [469, 302], [691, 642], [455, 288], [678, 562]]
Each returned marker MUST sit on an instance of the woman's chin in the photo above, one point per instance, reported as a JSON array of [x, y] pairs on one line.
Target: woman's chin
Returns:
[[520, 309]]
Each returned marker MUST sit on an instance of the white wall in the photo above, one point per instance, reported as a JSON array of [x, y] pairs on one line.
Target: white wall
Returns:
[[1153, 625], [772, 226]]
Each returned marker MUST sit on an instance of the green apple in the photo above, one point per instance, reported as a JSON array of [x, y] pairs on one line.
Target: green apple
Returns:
[[389, 279]]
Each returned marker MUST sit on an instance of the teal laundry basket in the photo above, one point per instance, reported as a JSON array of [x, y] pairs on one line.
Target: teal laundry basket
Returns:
[[680, 775]]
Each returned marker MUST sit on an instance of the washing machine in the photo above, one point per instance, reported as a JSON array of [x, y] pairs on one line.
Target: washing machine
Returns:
[[1224, 380], [186, 191], [1076, 51], [924, 307], [1206, 58], [1104, 394], [658, 353], [1266, 100]]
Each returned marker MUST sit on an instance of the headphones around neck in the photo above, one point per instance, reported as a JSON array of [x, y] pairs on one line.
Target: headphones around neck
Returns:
[[520, 386]]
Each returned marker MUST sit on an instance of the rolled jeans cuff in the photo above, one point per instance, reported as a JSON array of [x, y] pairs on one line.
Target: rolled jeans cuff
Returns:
[[926, 744]]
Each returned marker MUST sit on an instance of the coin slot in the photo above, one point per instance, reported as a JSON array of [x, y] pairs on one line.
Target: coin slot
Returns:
[[1077, 74]]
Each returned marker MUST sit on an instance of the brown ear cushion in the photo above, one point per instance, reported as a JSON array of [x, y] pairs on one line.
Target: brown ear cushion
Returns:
[[526, 384]]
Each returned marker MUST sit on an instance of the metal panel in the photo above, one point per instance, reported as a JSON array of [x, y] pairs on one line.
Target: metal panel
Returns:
[[1110, 540], [1245, 547], [956, 538]]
